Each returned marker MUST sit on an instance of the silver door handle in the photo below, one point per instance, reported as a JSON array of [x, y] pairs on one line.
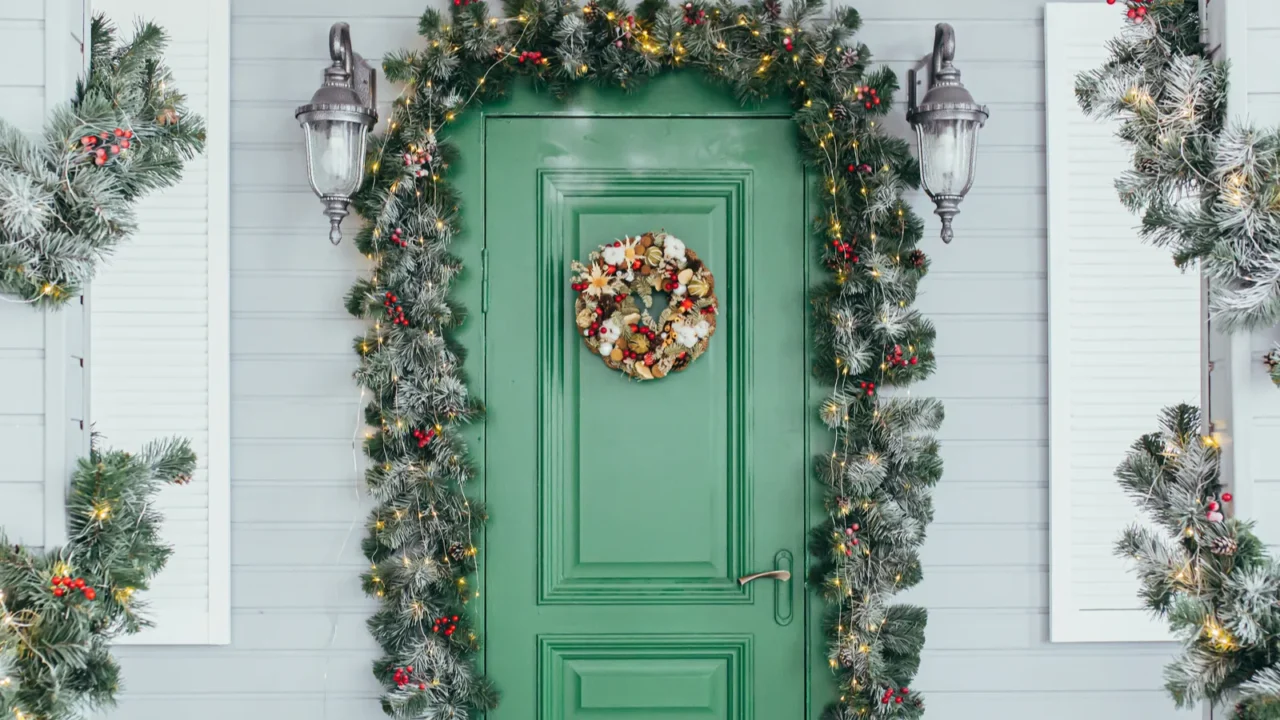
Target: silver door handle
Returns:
[[782, 575]]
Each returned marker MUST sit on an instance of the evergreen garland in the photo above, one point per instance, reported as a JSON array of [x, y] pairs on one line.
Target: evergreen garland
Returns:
[[1208, 575], [61, 608], [1207, 189], [883, 463], [67, 199]]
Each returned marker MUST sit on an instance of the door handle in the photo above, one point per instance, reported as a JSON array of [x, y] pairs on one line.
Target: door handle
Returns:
[[782, 575], [783, 593]]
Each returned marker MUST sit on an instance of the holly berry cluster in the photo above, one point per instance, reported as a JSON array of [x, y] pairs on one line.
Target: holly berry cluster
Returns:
[[851, 535], [1214, 513], [788, 43], [419, 159], [896, 359], [1137, 9], [463, 3], [864, 168], [424, 436], [106, 145], [397, 238], [395, 311], [868, 387], [896, 696], [533, 57], [63, 584], [693, 15], [844, 250], [445, 626], [403, 676], [868, 96], [917, 258]]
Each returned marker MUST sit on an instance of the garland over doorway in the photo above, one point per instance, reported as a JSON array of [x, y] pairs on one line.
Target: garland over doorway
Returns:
[[883, 460]]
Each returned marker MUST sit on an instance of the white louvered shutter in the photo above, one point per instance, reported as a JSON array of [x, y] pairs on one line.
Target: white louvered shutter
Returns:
[[159, 314], [1124, 342]]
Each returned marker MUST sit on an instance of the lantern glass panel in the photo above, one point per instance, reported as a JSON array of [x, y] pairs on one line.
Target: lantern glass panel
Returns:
[[335, 153], [947, 151]]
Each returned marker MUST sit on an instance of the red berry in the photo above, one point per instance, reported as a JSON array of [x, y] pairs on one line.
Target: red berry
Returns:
[[58, 592], [1213, 505], [409, 669], [90, 594], [855, 527], [1132, 13], [1111, 2], [898, 699], [904, 690], [1226, 497], [79, 583], [57, 580], [854, 541], [422, 686]]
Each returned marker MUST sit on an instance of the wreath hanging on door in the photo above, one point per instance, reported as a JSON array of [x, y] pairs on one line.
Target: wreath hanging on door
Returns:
[[621, 329]]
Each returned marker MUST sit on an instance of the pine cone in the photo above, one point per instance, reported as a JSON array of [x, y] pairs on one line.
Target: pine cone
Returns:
[[845, 657], [773, 8], [840, 112], [457, 552], [1223, 546], [917, 258], [849, 57]]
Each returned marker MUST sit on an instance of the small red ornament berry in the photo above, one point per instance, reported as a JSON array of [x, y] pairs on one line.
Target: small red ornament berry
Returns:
[[57, 580], [1213, 505], [854, 541], [1226, 497], [90, 594], [898, 699], [855, 527], [59, 592], [79, 583]]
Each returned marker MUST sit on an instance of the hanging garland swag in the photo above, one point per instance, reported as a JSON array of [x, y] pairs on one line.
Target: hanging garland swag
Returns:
[[623, 333], [878, 475]]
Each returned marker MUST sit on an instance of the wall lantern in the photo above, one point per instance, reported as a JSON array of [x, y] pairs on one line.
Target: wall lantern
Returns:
[[946, 123], [336, 124]]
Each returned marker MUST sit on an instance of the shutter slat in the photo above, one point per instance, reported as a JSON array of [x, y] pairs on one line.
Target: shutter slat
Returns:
[[1124, 342]]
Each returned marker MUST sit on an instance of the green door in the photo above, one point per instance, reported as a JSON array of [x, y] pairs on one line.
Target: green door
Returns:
[[624, 513]]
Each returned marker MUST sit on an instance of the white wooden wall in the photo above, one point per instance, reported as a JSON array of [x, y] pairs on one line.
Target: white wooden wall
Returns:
[[299, 647], [41, 432], [1259, 413]]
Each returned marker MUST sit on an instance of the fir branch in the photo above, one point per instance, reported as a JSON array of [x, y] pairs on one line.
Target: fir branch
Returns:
[[67, 199]]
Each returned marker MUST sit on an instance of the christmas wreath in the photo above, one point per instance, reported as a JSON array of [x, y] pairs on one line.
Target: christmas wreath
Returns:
[[622, 332]]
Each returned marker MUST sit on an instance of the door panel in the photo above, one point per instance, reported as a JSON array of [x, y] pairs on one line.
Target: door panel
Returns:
[[624, 512]]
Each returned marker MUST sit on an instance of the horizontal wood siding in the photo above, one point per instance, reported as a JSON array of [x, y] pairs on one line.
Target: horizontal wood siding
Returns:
[[299, 649], [1263, 408], [22, 340]]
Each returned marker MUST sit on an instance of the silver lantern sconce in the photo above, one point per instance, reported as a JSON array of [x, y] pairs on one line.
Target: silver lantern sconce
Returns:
[[946, 121], [336, 124]]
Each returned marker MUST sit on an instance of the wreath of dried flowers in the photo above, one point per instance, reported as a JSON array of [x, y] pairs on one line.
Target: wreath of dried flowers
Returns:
[[624, 334]]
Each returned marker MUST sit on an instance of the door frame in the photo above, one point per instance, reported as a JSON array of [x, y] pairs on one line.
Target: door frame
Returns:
[[672, 95]]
